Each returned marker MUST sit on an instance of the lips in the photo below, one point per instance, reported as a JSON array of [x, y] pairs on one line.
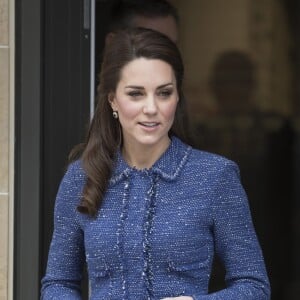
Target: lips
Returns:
[[149, 124]]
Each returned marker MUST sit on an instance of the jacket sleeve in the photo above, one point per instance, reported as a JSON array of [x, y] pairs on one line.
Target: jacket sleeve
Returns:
[[66, 254], [236, 243]]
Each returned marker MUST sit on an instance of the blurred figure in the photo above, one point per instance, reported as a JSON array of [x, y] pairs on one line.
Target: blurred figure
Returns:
[[157, 15], [237, 119], [233, 83], [261, 143]]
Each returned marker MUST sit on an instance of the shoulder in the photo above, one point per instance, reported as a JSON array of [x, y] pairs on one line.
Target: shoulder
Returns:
[[197, 160], [73, 179], [219, 177], [210, 162], [205, 167], [76, 172], [70, 189]]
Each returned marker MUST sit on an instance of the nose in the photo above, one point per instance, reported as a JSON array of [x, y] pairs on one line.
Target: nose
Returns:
[[150, 105]]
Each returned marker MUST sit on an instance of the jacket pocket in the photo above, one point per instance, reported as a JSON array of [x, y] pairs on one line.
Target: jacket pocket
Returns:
[[190, 263]]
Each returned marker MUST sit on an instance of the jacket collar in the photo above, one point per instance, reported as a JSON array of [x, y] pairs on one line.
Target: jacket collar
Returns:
[[168, 166]]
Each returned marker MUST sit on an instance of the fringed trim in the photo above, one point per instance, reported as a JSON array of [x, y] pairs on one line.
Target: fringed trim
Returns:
[[120, 236], [173, 176], [148, 228], [117, 178]]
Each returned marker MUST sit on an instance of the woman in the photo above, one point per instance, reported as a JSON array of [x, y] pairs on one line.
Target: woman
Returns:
[[145, 210]]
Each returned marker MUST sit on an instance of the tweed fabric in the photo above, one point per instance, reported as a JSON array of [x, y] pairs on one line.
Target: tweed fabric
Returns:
[[156, 233]]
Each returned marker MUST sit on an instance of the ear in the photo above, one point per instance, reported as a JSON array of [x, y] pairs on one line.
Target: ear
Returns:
[[109, 37]]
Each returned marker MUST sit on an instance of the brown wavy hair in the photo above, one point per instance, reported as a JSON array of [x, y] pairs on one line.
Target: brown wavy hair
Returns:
[[105, 133]]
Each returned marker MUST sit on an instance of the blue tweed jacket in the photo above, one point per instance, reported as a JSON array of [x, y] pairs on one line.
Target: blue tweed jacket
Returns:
[[157, 232]]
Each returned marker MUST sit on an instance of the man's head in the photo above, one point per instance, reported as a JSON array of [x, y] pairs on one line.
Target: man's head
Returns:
[[157, 15]]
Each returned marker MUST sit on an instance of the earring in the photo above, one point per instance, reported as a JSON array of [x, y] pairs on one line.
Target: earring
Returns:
[[115, 114]]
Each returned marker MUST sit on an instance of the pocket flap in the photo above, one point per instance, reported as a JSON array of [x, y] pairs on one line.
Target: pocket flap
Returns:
[[190, 259]]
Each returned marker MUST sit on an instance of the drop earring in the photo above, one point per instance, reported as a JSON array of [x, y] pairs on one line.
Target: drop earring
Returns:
[[115, 114]]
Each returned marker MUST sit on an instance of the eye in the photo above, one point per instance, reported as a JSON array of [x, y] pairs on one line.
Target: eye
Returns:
[[165, 93], [135, 94]]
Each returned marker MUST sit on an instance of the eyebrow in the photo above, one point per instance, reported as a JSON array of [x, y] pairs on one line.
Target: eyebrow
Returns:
[[141, 88]]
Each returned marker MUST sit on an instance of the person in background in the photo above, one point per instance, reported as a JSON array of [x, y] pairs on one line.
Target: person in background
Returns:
[[158, 15], [145, 210], [261, 143]]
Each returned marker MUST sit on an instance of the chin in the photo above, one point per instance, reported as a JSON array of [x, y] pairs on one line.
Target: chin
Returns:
[[151, 141]]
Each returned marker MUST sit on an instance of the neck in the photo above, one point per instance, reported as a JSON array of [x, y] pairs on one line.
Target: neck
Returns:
[[143, 156]]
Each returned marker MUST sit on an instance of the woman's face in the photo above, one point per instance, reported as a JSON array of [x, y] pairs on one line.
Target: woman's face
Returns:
[[145, 99]]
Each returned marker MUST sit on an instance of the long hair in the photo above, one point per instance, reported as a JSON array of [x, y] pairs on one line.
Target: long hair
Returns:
[[105, 134]]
